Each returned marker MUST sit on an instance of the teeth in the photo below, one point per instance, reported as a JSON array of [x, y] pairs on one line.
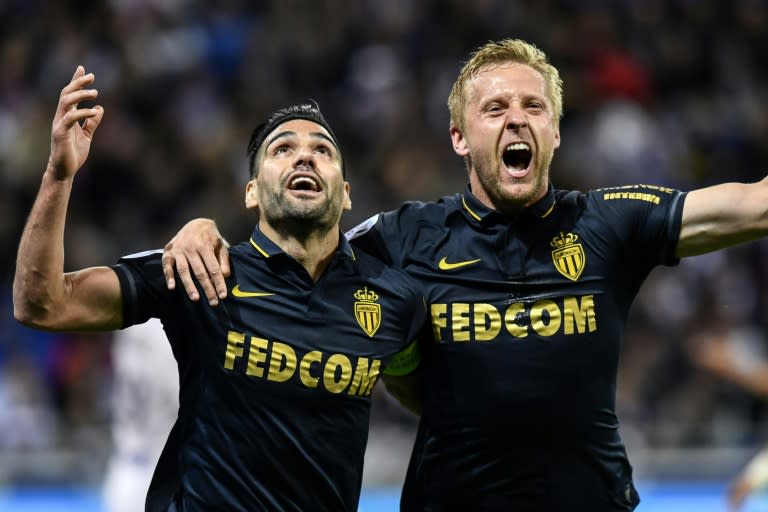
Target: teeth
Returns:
[[518, 146], [303, 180]]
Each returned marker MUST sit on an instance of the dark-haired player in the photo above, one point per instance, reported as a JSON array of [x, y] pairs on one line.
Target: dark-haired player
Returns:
[[275, 383]]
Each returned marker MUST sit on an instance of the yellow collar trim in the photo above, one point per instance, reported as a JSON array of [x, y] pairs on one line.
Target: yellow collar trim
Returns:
[[261, 251], [469, 210]]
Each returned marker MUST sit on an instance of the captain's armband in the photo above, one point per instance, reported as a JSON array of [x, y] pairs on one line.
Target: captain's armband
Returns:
[[405, 361]]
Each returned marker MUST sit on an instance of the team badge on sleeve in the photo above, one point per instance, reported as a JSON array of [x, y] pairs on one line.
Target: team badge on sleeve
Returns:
[[367, 312], [568, 256]]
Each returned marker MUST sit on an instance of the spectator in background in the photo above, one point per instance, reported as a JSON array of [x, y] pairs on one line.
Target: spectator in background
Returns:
[[144, 407], [737, 355]]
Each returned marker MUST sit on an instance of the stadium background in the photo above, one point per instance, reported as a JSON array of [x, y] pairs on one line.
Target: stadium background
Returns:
[[671, 92]]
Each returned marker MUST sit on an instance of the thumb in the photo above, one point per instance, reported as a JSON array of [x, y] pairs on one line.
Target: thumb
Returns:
[[90, 125]]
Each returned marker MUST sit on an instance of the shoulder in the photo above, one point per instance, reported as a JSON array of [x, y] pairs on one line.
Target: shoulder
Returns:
[[621, 199], [146, 263], [430, 210], [408, 214], [386, 275], [629, 195], [142, 257]]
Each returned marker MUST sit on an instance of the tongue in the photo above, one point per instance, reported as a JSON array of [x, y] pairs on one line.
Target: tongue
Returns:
[[517, 170]]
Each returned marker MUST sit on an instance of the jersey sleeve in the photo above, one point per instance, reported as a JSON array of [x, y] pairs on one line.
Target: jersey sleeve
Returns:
[[647, 218], [409, 358], [388, 235], [374, 236], [143, 287]]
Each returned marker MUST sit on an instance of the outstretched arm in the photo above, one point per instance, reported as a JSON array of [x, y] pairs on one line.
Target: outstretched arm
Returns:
[[43, 295], [723, 215], [198, 252]]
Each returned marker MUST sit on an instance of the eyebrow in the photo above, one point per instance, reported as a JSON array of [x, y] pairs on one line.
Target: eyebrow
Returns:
[[314, 135]]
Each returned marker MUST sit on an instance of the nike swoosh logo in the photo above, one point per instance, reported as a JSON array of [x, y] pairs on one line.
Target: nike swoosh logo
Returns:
[[237, 292], [445, 265]]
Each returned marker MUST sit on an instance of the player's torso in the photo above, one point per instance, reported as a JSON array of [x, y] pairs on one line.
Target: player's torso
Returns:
[[526, 316], [287, 369]]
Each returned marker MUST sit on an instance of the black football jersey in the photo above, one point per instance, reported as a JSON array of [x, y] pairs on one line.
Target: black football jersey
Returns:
[[276, 380], [527, 314]]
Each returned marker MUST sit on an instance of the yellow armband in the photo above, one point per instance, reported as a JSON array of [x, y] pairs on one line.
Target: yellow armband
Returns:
[[405, 361]]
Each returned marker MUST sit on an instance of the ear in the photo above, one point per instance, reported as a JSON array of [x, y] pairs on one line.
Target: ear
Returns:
[[459, 142], [557, 137], [251, 194], [347, 202]]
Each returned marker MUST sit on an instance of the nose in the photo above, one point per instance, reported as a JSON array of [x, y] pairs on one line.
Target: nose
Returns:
[[516, 118], [304, 157]]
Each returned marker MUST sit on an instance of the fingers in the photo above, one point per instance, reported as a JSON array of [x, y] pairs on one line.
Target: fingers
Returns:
[[213, 271], [206, 275], [187, 278], [192, 269], [91, 116], [222, 257], [169, 268], [79, 71], [77, 85], [92, 122]]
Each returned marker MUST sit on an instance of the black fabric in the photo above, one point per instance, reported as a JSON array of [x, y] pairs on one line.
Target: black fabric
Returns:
[[528, 314], [308, 110], [275, 381]]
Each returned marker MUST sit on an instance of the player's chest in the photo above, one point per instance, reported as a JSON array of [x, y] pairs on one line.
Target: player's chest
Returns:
[[341, 312], [509, 260]]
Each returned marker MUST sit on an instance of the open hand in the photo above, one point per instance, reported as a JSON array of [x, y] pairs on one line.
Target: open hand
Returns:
[[73, 128]]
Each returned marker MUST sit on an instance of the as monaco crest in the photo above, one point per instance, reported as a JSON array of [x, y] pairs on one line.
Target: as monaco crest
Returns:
[[568, 256], [367, 312]]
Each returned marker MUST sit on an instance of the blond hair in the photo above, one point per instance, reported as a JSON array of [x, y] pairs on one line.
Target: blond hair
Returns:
[[500, 52]]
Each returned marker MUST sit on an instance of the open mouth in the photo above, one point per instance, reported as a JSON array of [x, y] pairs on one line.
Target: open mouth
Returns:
[[304, 183], [517, 157]]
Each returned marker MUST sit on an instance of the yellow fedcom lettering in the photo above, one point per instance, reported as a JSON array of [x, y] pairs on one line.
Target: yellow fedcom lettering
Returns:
[[463, 321], [280, 361]]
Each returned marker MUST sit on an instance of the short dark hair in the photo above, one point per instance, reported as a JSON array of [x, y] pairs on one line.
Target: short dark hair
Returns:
[[309, 110]]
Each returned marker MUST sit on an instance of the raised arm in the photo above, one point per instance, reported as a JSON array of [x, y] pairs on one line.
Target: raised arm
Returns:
[[723, 215], [43, 295]]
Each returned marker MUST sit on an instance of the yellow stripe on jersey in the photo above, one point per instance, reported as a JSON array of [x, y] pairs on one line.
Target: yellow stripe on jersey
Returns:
[[469, 210], [261, 251]]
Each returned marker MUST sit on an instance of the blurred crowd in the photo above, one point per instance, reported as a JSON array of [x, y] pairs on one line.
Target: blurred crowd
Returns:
[[667, 92]]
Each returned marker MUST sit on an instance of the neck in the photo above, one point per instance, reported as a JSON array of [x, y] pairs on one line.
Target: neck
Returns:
[[313, 249], [510, 199]]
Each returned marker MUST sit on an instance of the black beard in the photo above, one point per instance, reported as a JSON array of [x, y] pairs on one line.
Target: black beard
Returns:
[[300, 223]]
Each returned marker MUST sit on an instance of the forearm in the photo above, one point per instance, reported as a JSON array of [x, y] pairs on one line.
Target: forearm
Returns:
[[722, 216], [39, 281]]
